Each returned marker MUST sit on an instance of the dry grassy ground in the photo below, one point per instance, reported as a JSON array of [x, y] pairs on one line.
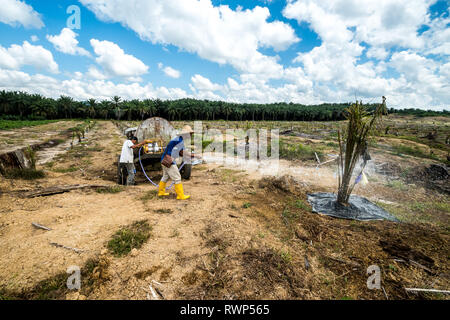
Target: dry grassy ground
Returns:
[[242, 235]]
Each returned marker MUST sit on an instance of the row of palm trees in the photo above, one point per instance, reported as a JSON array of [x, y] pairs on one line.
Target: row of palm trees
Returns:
[[21, 105]]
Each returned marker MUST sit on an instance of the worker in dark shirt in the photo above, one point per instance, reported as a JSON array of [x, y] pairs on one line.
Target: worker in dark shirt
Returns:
[[175, 148]]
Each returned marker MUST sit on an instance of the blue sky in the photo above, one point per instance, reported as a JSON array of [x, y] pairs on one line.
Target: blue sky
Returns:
[[307, 51]]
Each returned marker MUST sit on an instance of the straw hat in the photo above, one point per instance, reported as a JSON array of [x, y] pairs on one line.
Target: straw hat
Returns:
[[187, 130]]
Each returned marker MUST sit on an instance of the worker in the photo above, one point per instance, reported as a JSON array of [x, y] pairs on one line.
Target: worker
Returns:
[[127, 158], [174, 149]]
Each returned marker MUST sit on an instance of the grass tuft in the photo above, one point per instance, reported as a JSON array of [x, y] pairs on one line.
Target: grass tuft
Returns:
[[300, 204], [24, 174], [247, 205], [65, 170], [129, 237], [150, 195], [398, 185], [298, 151], [112, 189]]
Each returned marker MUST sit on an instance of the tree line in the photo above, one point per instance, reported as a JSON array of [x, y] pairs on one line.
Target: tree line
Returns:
[[16, 105]]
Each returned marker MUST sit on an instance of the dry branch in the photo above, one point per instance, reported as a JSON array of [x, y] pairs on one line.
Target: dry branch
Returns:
[[416, 264], [65, 247], [38, 226], [427, 290], [351, 263], [155, 296]]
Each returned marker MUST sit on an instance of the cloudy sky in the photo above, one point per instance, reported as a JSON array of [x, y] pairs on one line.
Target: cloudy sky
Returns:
[[305, 51]]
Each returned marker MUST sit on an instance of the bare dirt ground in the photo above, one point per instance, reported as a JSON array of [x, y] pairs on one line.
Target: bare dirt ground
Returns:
[[14, 139], [244, 234]]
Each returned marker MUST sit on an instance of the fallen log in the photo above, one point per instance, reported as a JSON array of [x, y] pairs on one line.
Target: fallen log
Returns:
[[58, 190]]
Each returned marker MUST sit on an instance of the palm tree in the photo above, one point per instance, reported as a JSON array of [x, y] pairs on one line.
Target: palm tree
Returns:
[[39, 108], [150, 108], [104, 108], [50, 107], [135, 107], [21, 101], [92, 105], [227, 109], [117, 103], [66, 104], [360, 124], [207, 111], [172, 110]]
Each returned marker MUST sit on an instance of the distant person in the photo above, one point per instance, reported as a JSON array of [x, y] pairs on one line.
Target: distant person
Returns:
[[174, 149], [127, 158]]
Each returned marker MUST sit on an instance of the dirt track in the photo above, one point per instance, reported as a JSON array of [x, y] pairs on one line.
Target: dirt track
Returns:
[[240, 236]]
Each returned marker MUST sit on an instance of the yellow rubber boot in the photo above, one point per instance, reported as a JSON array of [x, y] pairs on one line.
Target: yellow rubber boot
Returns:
[[162, 189], [180, 192]]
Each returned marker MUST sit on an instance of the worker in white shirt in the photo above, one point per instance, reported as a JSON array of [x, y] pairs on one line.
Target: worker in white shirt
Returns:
[[127, 157]]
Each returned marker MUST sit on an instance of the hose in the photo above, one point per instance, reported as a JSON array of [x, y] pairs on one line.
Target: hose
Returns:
[[143, 170]]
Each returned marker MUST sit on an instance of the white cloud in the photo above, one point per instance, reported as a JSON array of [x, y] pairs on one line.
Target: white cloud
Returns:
[[344, 26], [424, 77], [253, 90], [204, 84], [377, 53], [413, 67], [66, 42], [203, 88], [218, 34], [16, 56], [96, 74], [115, 61], [437, 38], [83, 89], [34, 38], [297, 76], [169, 71], [444, 70], [78, 75], [15, 12], [134, 79], [378, 23], [331, 61]]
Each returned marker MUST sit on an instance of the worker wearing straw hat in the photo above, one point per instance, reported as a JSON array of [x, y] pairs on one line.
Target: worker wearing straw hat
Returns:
[[173, 150]]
